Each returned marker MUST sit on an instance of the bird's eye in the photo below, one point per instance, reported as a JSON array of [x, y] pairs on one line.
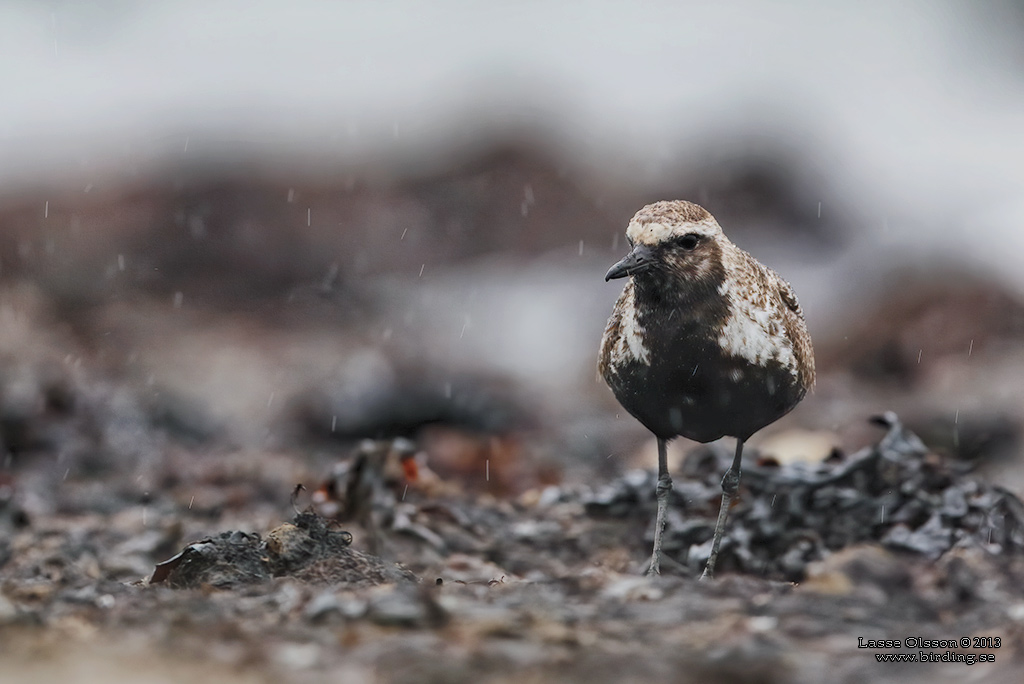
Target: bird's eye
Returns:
[[689, 241]]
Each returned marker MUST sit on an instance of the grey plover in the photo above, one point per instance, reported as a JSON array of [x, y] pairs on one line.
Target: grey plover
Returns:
[[704, 342]]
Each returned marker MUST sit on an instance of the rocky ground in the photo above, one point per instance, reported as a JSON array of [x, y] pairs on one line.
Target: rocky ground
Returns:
[[546, 585], [187, 491]]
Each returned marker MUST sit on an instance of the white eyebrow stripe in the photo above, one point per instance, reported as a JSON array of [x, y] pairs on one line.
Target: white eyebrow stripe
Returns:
[[655, 232]]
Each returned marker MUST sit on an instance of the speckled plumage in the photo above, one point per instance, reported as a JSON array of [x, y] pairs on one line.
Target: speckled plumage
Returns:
[[705, 342]]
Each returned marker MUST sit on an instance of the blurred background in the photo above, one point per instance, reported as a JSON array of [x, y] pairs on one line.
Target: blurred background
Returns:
[[244, 228]]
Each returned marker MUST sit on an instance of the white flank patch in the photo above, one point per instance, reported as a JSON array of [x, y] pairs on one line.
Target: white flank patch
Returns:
[[631, 333], [746, 334], [631, 340]]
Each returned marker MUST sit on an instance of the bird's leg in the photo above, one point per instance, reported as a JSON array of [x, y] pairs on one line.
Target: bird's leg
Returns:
[[663, 489], [730, 485]]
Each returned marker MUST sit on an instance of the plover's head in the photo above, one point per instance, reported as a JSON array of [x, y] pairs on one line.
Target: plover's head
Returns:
[[672, 239]]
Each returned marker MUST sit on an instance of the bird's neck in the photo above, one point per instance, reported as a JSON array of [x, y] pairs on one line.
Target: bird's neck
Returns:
[[661, 292]]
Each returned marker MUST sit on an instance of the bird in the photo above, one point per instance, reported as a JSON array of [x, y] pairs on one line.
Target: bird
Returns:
[[704, 342]]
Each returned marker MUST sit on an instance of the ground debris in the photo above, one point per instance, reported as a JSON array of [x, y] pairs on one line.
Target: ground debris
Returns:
[[310, 548], [546, 586], [896, 493]]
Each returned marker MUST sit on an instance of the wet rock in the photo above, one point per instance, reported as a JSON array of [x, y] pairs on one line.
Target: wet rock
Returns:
[[310, 549], [896, 493], [954, 503], [222, 562], [931, 539]]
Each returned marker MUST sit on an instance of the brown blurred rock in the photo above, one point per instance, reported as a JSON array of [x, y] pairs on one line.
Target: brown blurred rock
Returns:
[[917, 320]]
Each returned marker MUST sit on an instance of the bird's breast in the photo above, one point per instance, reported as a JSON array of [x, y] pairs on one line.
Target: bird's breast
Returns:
[[691, 384]]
